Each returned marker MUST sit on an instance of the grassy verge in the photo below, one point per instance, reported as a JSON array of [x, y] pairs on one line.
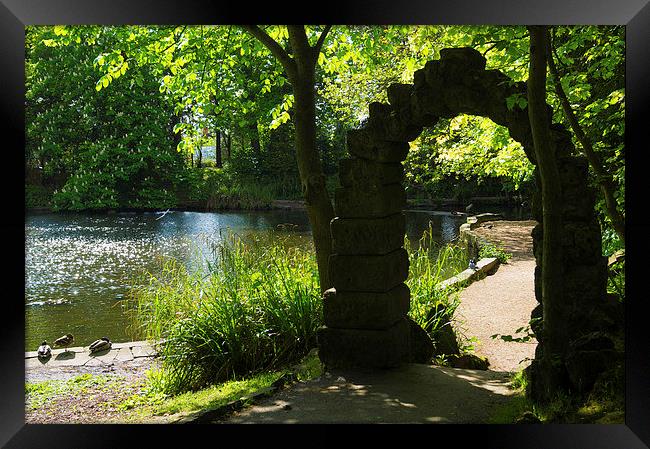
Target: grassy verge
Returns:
[[111, 398]]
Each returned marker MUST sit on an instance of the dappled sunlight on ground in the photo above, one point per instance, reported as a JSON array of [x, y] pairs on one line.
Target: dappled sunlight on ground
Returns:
[[409, 394]]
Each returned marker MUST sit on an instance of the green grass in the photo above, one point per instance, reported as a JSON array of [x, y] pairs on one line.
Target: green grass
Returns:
[[256, 308], [39, 393], [431, 263], [140, 407]]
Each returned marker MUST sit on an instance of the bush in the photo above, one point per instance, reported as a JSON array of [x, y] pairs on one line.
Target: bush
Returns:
[[36, 196]]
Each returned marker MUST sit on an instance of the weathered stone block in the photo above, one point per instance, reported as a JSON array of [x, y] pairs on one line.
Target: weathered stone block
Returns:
[[538, 236], [468, 361], [587, 358], [465, 99], [433, 77], [585, 284], [364, 348], [369, 273], [519, 129], [362, 310], [368, 235], [399, 96], [573, 171], [563, 146], [578, 203], [538, 283], [366, 173], [427, 106], [362, 145], [386, 124], [369, 203], [466, 57], [581, 243], [536, 321], [420, 344]]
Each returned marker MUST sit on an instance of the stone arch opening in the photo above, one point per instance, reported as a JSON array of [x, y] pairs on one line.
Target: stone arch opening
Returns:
[[365, 311]]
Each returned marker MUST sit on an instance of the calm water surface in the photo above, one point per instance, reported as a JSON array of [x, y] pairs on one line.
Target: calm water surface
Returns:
[[80, 267]]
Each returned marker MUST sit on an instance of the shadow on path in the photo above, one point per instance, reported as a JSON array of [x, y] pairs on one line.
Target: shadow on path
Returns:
[[410, 394]]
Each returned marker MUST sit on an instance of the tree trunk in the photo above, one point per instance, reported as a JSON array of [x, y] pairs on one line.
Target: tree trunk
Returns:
[[604, 179], [300, 70], [199, 159], [228, 145], [317, 201], [554, 325], [217, 150], [255, 140]]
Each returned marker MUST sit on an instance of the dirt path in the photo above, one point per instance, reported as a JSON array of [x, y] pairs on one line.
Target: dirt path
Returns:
[[411, 393], [502, 303]]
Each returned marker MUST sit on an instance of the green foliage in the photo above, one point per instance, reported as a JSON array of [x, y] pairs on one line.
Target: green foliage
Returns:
[[37, 394], [527, 336], [37, 196], [616, 280], [430, 264], [107, 149], [218, 189], [488, 249], [256, 308], [469, 151]]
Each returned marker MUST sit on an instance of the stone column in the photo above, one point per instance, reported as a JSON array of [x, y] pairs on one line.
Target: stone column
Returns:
[[365, 312], [589, 350]]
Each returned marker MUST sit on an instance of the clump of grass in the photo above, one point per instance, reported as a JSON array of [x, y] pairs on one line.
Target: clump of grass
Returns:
[[240, 196], [257, 308], [431, 263]]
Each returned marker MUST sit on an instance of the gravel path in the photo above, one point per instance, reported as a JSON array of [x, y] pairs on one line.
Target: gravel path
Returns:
[[502, 303]]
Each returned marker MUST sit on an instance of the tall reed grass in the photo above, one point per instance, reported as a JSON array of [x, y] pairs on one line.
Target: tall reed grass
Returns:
[[431, 263], [256, 307]]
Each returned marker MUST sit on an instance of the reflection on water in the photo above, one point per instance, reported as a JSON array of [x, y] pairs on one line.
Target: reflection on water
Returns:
[[79, 267]]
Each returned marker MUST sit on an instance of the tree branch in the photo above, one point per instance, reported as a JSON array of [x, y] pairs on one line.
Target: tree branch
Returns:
[[603, 178], [321, 40], [287, 62]]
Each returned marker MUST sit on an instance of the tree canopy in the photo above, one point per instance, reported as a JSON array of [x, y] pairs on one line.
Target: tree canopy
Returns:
[[115, 113]]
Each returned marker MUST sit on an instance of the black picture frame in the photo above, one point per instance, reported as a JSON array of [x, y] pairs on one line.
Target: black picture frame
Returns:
[[16, 14]]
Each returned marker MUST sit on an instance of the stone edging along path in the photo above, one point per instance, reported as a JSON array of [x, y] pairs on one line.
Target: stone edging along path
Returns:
[[132, 356]]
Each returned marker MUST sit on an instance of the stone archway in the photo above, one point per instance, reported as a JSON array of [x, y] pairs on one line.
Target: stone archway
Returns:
[[365, 311]]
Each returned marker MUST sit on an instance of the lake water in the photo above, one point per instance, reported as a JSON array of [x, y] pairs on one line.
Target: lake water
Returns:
[[79, 267]]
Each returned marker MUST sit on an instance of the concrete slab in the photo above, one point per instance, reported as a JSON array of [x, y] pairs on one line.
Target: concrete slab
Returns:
[[105, 356], [124, 355], [61, 359], [143, 351], [412, 393], [483, 266], [93, 361], [130, 344]]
